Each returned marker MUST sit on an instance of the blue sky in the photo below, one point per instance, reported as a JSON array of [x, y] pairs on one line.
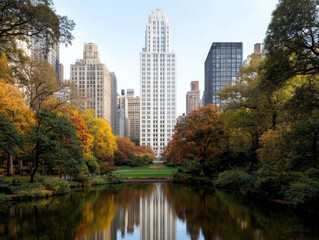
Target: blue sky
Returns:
[[118, 27]]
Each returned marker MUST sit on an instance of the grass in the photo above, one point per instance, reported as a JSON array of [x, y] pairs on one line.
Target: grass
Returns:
[[146, 172]]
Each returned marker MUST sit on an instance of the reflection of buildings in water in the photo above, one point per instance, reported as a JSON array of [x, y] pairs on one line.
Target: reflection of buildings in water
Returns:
[[158, 220], [125, 220], [153, 214]]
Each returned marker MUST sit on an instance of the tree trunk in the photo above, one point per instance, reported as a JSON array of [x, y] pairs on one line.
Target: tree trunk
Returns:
[[20, 166], [10, 165], [35, 167], [314, 148], [274, 120]]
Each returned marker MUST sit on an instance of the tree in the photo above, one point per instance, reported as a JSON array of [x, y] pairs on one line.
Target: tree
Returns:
[[104, 143], [200, 136], [14, 109], [21, 19], [125, 149], [82, 131], [54, 144], [292, 42], [39, 81], [10, 141], [128, 153]]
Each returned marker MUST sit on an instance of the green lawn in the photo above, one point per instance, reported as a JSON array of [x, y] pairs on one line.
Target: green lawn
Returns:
[[145, 172]]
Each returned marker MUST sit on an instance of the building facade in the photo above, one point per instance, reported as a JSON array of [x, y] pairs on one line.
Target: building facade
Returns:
[[113, 102], [41, 52], [133, 113], [221, 67], [93, 81], [157, 84], [193, 98], [257, 50], [122, 124]]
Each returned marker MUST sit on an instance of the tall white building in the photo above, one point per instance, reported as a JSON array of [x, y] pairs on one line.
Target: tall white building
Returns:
[[157, 83], [93, 81]]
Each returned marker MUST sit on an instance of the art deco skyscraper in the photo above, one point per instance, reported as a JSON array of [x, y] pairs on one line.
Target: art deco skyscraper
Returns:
[[157, 83], [93, 81]]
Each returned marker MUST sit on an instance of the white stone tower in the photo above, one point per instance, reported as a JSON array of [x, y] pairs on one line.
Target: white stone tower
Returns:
[[157, 83]]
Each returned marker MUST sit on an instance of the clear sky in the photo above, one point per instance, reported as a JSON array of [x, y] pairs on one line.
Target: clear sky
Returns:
[[118, 27]]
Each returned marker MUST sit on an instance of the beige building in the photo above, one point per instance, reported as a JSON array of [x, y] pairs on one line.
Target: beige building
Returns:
[[193, 98], [93, 80], [133, 113]]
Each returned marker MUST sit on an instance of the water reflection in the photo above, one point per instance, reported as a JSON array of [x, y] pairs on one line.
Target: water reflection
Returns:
[[153, 212]]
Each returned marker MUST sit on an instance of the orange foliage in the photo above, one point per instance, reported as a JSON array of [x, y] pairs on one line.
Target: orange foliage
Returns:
[[127, 148], [199, 136]]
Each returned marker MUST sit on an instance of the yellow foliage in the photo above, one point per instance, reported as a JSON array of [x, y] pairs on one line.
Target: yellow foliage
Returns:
[[271, 142], [104, 142], [5, 71], [14, 108]]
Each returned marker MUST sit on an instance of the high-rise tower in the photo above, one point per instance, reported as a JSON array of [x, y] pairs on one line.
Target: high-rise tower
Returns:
[[193, 98], [157, 83], [93, 81], [221, 67], [133, 113]]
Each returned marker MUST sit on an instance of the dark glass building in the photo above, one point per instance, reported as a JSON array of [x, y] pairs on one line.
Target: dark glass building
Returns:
[[221, 67]]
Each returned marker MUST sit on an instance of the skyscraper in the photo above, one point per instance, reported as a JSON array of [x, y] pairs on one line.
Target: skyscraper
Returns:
[[157, 83], [41, 52], [113, 102], [133, 113], [257, 48], [193, 98], [221, 67], [122, 123], [93, 81]]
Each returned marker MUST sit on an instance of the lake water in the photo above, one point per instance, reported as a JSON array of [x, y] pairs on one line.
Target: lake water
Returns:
[[154, 212]]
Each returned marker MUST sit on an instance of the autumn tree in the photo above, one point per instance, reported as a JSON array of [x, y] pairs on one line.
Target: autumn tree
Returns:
[[104, 143], [200, 136], [128, 153], [14, 109]]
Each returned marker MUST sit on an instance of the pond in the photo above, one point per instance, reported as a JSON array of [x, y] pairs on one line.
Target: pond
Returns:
[[154, 212]]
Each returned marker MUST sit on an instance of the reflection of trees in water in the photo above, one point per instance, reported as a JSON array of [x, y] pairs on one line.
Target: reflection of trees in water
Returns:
[[229, 216], [68, 217], [215, 213]]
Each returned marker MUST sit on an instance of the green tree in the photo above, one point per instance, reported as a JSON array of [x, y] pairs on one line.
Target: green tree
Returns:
[[292, 42], [54, 144], [10, 140], [21, 19]]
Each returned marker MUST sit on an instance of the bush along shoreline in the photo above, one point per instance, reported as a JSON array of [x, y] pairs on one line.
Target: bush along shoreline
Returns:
[[18, 188], [272, 182]]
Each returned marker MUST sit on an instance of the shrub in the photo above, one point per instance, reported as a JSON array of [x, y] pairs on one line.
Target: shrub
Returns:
[[312, 173], [236, 178], [304, 191], [58, 187], [84, 180], [3, 198]]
